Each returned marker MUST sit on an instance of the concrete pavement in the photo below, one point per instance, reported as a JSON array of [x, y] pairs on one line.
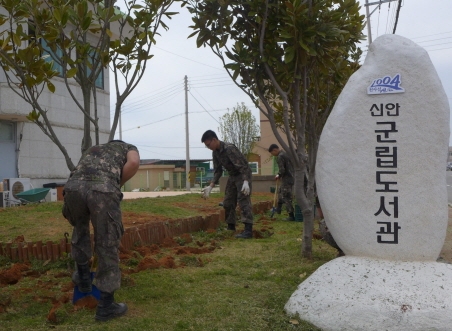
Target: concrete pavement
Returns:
[[152, 194]]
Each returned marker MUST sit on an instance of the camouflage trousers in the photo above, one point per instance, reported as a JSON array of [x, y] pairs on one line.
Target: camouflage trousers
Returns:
[[234, 196], [285, 196], [103, 209]]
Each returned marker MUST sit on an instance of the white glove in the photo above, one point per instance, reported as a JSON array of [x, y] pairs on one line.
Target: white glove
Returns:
[[246, 188], [206, 191], [276, 177]]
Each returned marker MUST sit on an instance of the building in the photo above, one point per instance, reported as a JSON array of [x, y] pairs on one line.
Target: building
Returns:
[[267, 162], [26, 151], [154, 174]]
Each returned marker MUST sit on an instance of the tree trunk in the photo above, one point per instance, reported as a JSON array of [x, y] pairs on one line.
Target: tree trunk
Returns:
[[115, 123], [86, 141], [306, 207]]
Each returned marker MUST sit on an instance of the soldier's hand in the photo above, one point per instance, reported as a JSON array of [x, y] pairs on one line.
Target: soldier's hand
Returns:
[[206, 192], [276, 177], [246, 188]]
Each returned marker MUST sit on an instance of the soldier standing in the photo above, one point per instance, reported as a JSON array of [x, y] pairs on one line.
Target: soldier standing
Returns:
[[285, 174], [238, 187], [93, 192]]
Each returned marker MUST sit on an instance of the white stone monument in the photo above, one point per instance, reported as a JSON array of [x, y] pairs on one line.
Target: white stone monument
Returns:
[[381, 182]]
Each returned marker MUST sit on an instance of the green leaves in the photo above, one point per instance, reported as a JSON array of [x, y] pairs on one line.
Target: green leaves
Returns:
[[51, 87], [71, 72], [33, 116]]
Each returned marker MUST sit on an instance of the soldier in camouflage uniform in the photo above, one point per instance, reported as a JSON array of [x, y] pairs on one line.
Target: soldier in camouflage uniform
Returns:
[[286, 175], [238, 187], [93, 192]]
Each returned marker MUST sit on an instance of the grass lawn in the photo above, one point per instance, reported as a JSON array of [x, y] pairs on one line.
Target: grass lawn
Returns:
[[44, 221], [234, 285]]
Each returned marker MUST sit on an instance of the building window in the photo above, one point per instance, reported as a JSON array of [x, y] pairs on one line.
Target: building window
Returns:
[[254, 167], [100, 78], [53, 57], [6, 132]]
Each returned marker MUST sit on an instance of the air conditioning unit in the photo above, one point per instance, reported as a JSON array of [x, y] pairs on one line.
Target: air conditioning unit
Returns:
[[17, 185]]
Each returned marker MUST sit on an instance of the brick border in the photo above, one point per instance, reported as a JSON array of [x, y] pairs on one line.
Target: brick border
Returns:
[[144, 234]]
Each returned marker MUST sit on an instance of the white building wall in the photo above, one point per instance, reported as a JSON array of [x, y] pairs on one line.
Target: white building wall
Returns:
[[38, 158]]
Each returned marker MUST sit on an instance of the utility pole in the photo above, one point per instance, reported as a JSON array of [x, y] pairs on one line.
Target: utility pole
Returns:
[[187, 150], [368, 14]]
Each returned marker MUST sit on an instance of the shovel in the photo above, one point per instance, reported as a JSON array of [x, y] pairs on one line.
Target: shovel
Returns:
[[94, 290], [274, 201]]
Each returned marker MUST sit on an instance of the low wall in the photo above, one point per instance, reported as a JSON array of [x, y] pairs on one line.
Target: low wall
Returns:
[[259, 183], [144, 234]]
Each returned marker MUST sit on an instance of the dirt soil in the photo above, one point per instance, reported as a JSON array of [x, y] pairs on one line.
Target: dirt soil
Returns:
[[201, 207], [178, 252]]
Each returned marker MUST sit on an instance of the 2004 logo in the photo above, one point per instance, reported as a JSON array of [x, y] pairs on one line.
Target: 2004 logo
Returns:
[[386, 84]]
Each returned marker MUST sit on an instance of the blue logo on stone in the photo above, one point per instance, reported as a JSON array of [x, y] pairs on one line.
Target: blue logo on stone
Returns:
[[387, 84]]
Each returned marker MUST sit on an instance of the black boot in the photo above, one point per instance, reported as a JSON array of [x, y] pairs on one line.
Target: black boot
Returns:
[[291, 217], [231, 226], [247, 233], [82, 277], [278, 209], [107, 308]]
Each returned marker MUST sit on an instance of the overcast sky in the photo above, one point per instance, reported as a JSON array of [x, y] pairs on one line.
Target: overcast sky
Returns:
[[154, 115]]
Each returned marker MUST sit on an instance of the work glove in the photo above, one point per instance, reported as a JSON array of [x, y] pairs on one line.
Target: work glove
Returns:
[[276, 177], [206, 191], [246, 188]]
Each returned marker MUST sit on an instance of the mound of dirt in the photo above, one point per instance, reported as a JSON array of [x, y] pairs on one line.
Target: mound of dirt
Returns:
[[12, 275]]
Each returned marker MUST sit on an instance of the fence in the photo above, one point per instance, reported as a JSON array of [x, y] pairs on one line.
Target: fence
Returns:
[[145, 234]]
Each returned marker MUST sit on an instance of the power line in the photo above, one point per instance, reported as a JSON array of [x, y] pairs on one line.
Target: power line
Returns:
[[426, 41], [168, 118], [431, 35], [186, 58], [440, 49], [154, 96], [173, 156], [211, 82], [203, 107], [210, 79], [204, 86], [155, 105], [165, 119], [204, 99]]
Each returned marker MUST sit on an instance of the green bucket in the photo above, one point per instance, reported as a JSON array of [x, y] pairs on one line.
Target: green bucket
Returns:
[[298, 214]]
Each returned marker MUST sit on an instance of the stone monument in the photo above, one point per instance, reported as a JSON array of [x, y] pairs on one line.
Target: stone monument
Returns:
[[381, 182]]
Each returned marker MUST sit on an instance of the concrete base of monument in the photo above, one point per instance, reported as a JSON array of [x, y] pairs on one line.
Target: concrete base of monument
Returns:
[[356, 293]]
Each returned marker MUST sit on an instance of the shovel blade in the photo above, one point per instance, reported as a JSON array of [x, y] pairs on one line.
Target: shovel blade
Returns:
[[79, 295]]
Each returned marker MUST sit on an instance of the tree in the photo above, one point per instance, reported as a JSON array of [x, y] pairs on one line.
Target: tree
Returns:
[[80, 38], [239, 128], [292, 58]]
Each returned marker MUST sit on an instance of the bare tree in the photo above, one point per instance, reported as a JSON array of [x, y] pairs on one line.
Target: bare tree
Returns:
[[239, 128], [80, 38]]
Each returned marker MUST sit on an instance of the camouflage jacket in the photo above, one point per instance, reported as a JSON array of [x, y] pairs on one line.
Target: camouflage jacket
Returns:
[[230, 158], [102, 164], [286, 171]]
